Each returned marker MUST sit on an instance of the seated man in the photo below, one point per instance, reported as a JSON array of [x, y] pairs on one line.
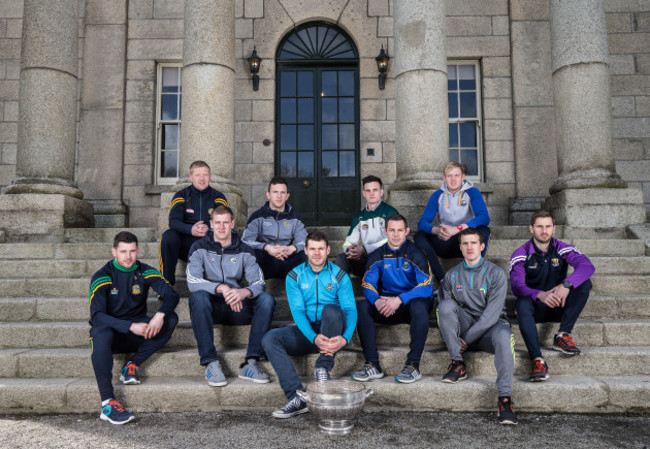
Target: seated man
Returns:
[[367, 232], [189, 215], [538, 276], [459, 205], [276, 232], [471, 313], [217, 266], [398, 289], [119, 321], [322, 305]]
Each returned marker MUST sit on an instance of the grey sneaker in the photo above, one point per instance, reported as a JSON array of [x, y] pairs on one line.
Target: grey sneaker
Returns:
[[409, 374], [294, 407], [367, 372], [322, 375], [214, 375], [252, 371]]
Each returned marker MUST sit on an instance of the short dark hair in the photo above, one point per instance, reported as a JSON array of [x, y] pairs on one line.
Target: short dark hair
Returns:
[[396, 217], [317, 236], [542, 213], [471, 231], [199, 164], [124, 237], [222, 210], [372, 178], [277, 180]]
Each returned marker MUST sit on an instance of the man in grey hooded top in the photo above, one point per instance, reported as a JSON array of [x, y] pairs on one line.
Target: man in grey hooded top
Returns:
[[471, 313]]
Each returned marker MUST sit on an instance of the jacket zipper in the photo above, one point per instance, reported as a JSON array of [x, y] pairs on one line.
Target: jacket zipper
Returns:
[[316, 312]]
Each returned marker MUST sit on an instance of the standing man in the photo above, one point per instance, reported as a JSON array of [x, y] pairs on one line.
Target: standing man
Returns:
[[398, 289], [459, 205], [276, 232], [323, 307], [119, 321], [538, 277], [189, 215], [217, 266], [367, 232], [471, 312]]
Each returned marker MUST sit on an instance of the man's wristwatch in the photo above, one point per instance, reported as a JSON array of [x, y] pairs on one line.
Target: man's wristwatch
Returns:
[[567, 284]]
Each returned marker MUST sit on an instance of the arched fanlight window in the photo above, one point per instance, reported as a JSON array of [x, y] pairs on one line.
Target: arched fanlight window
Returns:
[[317, 41]]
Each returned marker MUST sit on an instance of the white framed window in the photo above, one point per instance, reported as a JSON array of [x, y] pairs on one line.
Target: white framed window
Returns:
[[465, 130], [168, 122]]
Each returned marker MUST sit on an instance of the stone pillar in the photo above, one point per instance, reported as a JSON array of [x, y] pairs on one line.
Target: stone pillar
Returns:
[[208, 130], [588, 191], [421, 107], [101, 128], [47, 126]]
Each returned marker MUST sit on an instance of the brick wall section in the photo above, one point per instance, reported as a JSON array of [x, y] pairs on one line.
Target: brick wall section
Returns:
[[628, 27]]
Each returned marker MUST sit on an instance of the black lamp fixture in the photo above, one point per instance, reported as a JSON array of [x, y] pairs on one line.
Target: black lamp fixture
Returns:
[[382, 64], [254, 62]]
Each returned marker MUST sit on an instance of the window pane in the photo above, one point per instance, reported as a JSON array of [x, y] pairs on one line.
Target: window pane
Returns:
[[346, 83], [451, 78], [468, 134], [453, 155], [170, 81], [329, 110], [453, 135], [305, 137], [347, 163], [288, 84], [466, 77], [287, 110], [288, 164], [170, 137], [288, 137], [468, 104], [169, 109], [180, 106], [328, 81], [305, 84], [453, 105], [169, 164], [329, 137], [346, 109], [305, 164], [346, 137], [305, 110], [330, 165], [469, 160]]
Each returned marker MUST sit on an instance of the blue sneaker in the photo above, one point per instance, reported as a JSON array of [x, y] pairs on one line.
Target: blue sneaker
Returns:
[[130, 374], [114, 413]]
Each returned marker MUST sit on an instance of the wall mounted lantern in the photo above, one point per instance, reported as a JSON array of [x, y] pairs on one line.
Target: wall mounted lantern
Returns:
[[382, 64], [254, 62]]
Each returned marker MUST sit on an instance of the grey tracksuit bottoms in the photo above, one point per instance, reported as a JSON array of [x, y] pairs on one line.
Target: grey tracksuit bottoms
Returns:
[[454, 322]]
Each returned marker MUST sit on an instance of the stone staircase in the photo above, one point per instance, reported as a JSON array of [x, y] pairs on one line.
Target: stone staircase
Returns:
[[45, 365]]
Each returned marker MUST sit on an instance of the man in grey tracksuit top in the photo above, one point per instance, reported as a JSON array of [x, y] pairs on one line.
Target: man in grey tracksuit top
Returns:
[[471, 313]]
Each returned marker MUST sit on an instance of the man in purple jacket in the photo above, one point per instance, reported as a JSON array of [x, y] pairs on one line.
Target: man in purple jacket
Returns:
[[538, 277]]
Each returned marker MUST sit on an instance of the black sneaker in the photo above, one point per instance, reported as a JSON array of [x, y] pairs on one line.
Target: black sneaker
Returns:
[[294, 407], [540, 371], [114, 413], [456, 372], [506, 413], [564, 343]]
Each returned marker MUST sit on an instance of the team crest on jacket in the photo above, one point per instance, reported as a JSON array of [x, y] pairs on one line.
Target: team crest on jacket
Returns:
[[555, 262], [211, 259], [286, 224], [364, 226], [406, 266], [233, 259], [329, 287], [114, 291], [136, 289], [210, 211], [483, 289], [463, 203], [459, 288]]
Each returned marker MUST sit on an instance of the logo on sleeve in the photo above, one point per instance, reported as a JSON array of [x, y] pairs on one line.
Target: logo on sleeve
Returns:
[[189, 211], [267, 223], [136, 289]]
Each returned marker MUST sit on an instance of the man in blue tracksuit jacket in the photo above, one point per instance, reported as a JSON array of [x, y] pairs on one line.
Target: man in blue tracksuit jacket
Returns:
[[458, 205], [189, 218], [398, 289], [323, 307]]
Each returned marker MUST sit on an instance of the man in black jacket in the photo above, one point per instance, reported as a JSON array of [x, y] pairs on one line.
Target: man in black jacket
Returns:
[[119, 321], [189, 217]]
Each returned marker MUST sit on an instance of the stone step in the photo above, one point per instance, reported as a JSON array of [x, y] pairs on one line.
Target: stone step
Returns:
[[74, 334], [55, 363], [106, 235], [561, 394]]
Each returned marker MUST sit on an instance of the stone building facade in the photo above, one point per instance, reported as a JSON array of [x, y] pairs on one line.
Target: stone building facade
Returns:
[[563, 100]]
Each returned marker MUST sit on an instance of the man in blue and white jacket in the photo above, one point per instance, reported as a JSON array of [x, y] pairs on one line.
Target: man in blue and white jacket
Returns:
[[276, 232], [398, 289], [323, 307], [458, 205], [217, 266]]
